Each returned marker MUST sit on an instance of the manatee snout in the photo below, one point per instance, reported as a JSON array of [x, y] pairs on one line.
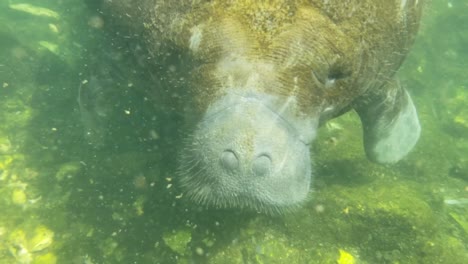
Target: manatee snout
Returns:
[[247, 152]]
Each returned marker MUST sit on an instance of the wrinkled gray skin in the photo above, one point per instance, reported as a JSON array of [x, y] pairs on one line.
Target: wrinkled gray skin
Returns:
[[255, 82], [249, 151]]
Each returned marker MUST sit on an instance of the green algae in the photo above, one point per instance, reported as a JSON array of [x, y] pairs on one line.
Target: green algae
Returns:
[[47, 258], [178, 241]]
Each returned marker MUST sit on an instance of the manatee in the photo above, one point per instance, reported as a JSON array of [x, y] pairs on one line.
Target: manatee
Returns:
[[256, 79]]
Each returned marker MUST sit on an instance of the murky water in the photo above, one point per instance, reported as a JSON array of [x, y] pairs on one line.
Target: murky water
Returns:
[[87, 173]]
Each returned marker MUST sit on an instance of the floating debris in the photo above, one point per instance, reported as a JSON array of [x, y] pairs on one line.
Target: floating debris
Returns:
[[49, 46], [35, 200], [461, 201], [333, 126], [460, 221], [35, 10], [53, 28]]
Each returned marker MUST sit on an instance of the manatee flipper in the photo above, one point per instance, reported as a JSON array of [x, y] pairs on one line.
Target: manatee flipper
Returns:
[[390, 123]]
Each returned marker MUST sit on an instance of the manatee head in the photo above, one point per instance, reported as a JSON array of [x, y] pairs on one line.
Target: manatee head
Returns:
[[250, 150], [257, 105]]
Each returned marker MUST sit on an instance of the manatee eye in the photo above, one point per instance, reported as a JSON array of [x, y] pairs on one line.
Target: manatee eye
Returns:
[[337, 72], [329, 78]]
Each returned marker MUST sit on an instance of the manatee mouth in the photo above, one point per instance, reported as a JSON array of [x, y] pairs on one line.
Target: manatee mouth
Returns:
[[244, 154]]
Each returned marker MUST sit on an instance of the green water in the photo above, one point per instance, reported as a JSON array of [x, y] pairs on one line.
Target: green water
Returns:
[[64, 201]]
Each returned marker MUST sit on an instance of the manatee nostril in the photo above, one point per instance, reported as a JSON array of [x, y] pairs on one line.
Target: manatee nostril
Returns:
[[229, 160], [262, 165]]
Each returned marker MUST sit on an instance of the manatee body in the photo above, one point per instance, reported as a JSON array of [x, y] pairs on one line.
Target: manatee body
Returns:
[[256, 80]]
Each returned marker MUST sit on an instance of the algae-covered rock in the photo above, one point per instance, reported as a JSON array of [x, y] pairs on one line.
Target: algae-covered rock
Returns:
[[48, 258], [457, 110], [18, 197], [178, 240], [263, 243], [269, 247], [110, 249], [25, 246], [16, 244], [42, 239], [138, 205], [5, 161], [345, 257], [383, 219], [5, 145], [14, 113], [17, 238], [444, 249], [274, 249]]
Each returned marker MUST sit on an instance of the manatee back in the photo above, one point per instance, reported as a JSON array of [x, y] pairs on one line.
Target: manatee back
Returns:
[[357, 44]]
